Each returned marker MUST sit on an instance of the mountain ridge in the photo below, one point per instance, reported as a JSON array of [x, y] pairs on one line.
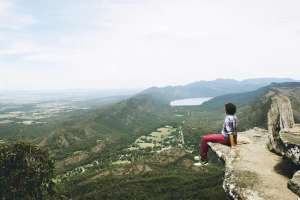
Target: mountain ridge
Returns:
[[210, 88]]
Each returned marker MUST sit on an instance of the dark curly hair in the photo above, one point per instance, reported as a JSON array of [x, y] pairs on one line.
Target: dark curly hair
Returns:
[[230, 108]]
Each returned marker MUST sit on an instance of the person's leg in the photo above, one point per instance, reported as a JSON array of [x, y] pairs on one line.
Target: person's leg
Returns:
[[216, 138]]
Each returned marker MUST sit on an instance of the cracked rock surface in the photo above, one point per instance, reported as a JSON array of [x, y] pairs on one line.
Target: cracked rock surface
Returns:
[[250, 169]]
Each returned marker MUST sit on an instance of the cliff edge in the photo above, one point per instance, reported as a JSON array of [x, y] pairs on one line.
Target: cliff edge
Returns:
[[250, 169]]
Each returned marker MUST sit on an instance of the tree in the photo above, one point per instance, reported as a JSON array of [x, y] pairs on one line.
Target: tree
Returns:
[[26, 172]]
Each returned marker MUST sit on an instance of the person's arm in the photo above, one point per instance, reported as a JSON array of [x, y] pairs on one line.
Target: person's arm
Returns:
[[229, 126], [232, 141]]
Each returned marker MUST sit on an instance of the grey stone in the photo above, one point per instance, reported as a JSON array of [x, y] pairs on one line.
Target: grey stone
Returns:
[[294, 183]]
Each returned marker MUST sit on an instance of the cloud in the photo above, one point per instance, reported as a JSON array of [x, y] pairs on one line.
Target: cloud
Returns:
[[136, 43], [10, 19]]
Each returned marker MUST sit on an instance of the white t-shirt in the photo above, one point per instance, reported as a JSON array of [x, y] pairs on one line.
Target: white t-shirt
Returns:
[[230, 125]]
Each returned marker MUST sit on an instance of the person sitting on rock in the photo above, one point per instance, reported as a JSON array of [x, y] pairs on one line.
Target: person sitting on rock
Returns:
[[227, 137]]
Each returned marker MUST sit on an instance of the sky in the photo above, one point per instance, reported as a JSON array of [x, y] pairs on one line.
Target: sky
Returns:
[[62, 44]]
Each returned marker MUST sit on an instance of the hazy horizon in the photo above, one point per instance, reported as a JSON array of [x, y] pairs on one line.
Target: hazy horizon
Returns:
[[125, 89], [142, 43]]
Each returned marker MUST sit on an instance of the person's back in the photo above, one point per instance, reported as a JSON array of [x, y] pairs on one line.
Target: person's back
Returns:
[[230, 129]]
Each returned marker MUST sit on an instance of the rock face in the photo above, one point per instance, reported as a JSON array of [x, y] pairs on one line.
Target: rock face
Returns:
[[291, 144], [280, 123], [250, 169], [284, 135]]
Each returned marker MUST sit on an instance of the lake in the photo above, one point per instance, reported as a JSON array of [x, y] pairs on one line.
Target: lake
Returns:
[[190, 101]]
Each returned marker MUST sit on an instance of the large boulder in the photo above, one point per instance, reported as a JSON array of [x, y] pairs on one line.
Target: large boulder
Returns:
[[284, 134], [280, 119]]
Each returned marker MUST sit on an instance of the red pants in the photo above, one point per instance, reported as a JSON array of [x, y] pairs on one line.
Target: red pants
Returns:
[[211, 137]]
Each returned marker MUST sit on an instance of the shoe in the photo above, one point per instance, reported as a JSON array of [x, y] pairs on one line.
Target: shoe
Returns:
[[197, 158], [201, 163]]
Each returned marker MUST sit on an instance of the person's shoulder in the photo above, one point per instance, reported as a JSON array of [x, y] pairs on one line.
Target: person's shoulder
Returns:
[[226, 118], [231, 118]]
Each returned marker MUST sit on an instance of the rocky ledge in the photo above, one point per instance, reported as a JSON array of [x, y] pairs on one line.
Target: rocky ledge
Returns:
[[250, 169]]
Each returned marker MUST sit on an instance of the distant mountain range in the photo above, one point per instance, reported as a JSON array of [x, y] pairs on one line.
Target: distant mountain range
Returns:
[[210, 88]]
